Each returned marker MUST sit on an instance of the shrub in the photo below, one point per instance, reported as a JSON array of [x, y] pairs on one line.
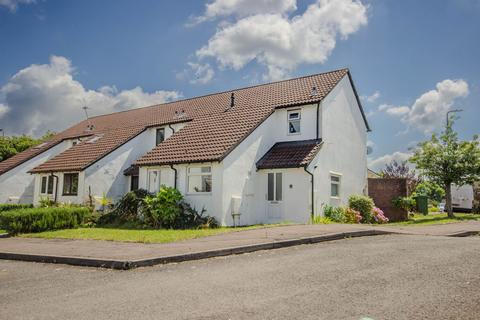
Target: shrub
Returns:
[[190, 218], [406, 203], [42, 219], [335, 214], [46, 202], [352, 216], [362, 204], [320, 220], [379, 216], [162, 209], [126, 209], [13, 206]]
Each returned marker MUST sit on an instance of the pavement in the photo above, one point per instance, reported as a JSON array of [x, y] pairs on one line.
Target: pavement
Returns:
[[127, 255], [382, 277]]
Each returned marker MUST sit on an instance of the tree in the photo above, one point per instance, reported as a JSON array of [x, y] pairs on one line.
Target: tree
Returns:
[[430, 189], [446, 160], [396, 169], [10, 146]]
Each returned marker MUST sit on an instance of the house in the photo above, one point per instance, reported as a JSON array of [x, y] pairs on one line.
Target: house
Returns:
[[261, 154]]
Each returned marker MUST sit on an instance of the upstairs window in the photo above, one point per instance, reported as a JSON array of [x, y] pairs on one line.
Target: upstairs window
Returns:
[[334, 186], [199, 179], [70, 184], [160, 136], [294, 118]]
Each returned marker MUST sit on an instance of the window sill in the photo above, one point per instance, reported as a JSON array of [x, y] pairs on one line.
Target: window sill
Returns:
[[335, 198]]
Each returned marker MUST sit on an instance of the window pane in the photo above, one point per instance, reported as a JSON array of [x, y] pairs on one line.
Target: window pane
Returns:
[[194, 184], [334, 190], [160, 136], [270, 187], [134, 183], [44, 185], [153, 181], [206, 169], [278, 187], [50, 185], [294, 115], [335, 178], [294, 126], [74, 185], [195, 170], [207, 183]]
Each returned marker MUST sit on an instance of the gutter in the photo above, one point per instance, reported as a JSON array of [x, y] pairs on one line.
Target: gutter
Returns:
[[56, 186], [175, 176], [312, 195]]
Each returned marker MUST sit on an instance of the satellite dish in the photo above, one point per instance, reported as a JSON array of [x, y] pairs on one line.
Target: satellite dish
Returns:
[[369, 150]]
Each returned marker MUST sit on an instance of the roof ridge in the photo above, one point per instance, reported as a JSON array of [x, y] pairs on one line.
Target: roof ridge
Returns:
[[222, 92]]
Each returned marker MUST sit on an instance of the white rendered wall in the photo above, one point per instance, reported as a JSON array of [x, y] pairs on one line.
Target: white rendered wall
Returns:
[[241, 178], [344, 147], [17, 185]]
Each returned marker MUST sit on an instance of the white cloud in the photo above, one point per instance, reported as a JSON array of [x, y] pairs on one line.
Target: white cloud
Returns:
[[12, 5], [202, 73], [242, 8], [47, 97], [281, 43], [394, 110], [379, 163], [428, 112], [371, 98]]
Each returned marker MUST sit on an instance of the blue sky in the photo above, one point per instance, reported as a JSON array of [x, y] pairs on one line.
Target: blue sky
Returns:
[[112, 55]]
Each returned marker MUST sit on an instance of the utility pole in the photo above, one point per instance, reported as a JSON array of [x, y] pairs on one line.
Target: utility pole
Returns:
[[448, 113]]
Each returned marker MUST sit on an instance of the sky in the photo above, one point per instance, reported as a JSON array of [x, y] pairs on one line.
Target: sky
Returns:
[[411, 60]]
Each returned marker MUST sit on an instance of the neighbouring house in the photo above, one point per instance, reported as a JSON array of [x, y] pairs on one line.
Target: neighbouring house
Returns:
[[261, 154], [372, 174]]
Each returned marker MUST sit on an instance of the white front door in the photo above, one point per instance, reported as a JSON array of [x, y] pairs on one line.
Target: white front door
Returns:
[[274, 196]]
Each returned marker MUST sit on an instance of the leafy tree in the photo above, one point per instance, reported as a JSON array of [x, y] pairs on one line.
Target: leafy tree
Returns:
[[10, 146], [430, 189], [396, 169], [446, 160]]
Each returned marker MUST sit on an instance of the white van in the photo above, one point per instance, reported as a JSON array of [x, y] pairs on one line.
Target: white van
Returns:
[[462, 198]]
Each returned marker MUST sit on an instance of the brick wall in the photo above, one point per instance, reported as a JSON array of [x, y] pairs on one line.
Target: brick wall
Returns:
[[383, 191]]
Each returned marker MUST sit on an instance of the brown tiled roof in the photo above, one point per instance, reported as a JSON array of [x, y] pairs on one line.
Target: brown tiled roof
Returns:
[[291, 154], [212, 137], [212, 131]]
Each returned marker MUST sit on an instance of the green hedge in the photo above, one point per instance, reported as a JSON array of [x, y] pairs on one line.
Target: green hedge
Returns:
[[42, 219], [13, 206]]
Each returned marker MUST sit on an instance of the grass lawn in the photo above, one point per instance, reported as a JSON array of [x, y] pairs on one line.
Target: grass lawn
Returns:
[[133, 235], [440, 218], [2, 231]]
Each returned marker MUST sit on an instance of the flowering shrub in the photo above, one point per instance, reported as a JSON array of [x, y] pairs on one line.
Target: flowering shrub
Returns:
[[362, 204], [335, 214], [379, 216], [352, 216]]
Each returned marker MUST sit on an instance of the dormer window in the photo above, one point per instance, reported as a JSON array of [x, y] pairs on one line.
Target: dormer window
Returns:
[[294, 117], [160, 136]]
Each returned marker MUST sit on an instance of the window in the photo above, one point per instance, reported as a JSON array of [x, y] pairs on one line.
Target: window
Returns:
[[70, 184], [133, 183], [160, 136], [274, 192], [334, 185], [294, 117], [199, 179], [47, 185], [153, 180]]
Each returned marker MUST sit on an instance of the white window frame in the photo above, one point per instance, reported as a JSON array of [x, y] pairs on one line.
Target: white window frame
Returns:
[[299, 119], [159, 175], [196, 175], [338, 183], [275, 189], [48, 177]]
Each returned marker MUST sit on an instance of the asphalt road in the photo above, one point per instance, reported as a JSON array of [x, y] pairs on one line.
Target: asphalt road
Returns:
[[383, 277]]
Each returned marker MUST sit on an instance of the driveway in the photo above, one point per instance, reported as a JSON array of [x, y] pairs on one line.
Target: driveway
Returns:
[[382, 277]]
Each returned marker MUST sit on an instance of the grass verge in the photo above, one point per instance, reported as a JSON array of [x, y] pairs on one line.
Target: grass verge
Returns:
[[440, 218], [129, 235]]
